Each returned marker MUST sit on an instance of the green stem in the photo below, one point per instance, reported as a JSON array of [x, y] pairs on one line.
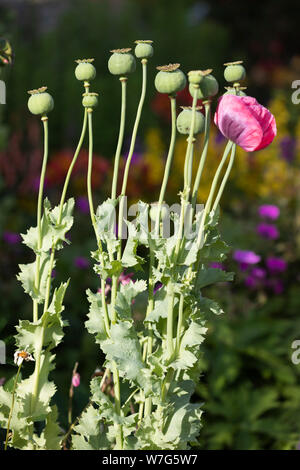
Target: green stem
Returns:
[[61, 205], [212, 190], [203, 155], [39, 214], [168, 162], [12, 406], [120, 139], [51, 264], [225, 178], [170, 316], [131, 150], [93, 218], [179, 322], [119, 437], [106, 317]]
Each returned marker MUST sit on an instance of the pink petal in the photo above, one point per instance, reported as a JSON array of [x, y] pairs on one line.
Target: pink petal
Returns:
[[244, 121]]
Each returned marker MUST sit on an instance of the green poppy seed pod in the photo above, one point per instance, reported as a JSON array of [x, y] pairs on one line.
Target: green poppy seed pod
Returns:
[[170, 79], [90, 100], [143, 49], [195, 76], [207, 88], [234, 71], [85, 70], [40, 101], [154, 210], [184, 121], [121, 62]]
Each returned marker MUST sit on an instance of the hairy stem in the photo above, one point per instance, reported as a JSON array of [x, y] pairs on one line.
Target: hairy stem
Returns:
[[131, 150], [120, 139], [168, 162], [39, 214]]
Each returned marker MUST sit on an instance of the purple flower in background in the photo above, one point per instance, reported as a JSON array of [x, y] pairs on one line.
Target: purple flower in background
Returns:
[[81, 262], [251, 282], [276, 285], [217, 265], [269, 211], [158, 286], [76, 380], [136, 157], [258, 273], [2, 380], [276, 265], [254, 279], [245, 257], [268, 231], [36, 183], [219, 138], [11, 237], [83, 204], [288, 148]]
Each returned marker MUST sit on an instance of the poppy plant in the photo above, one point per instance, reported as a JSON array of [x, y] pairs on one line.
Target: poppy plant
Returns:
[[246, 122]]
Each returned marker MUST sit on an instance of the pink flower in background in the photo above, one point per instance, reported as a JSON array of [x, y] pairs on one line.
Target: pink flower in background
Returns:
[[276, 265], [246, 257], [269, 211], [125, 278], [106, 290], [217, 265], [244, 121], [76, 380], [267, 231]]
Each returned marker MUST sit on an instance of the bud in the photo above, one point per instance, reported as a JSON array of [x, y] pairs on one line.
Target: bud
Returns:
[[184, 121], [76, 380], [85, 70], [143, 49], [234, 71], [170, 79], [121, 62], [40, 102]]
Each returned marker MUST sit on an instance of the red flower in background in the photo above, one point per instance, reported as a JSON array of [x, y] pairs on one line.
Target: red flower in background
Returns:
[[60, 162]]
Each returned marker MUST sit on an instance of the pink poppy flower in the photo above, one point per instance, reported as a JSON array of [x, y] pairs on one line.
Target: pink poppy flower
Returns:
[[244, 121]]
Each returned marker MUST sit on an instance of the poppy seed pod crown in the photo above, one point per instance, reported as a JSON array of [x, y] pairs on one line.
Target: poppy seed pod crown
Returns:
[[40, 101], [121, 62], [85, 70], [170, 79], [143, 49]]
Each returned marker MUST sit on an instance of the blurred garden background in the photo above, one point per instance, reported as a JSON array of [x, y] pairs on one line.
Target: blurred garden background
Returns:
[[250, 386]]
